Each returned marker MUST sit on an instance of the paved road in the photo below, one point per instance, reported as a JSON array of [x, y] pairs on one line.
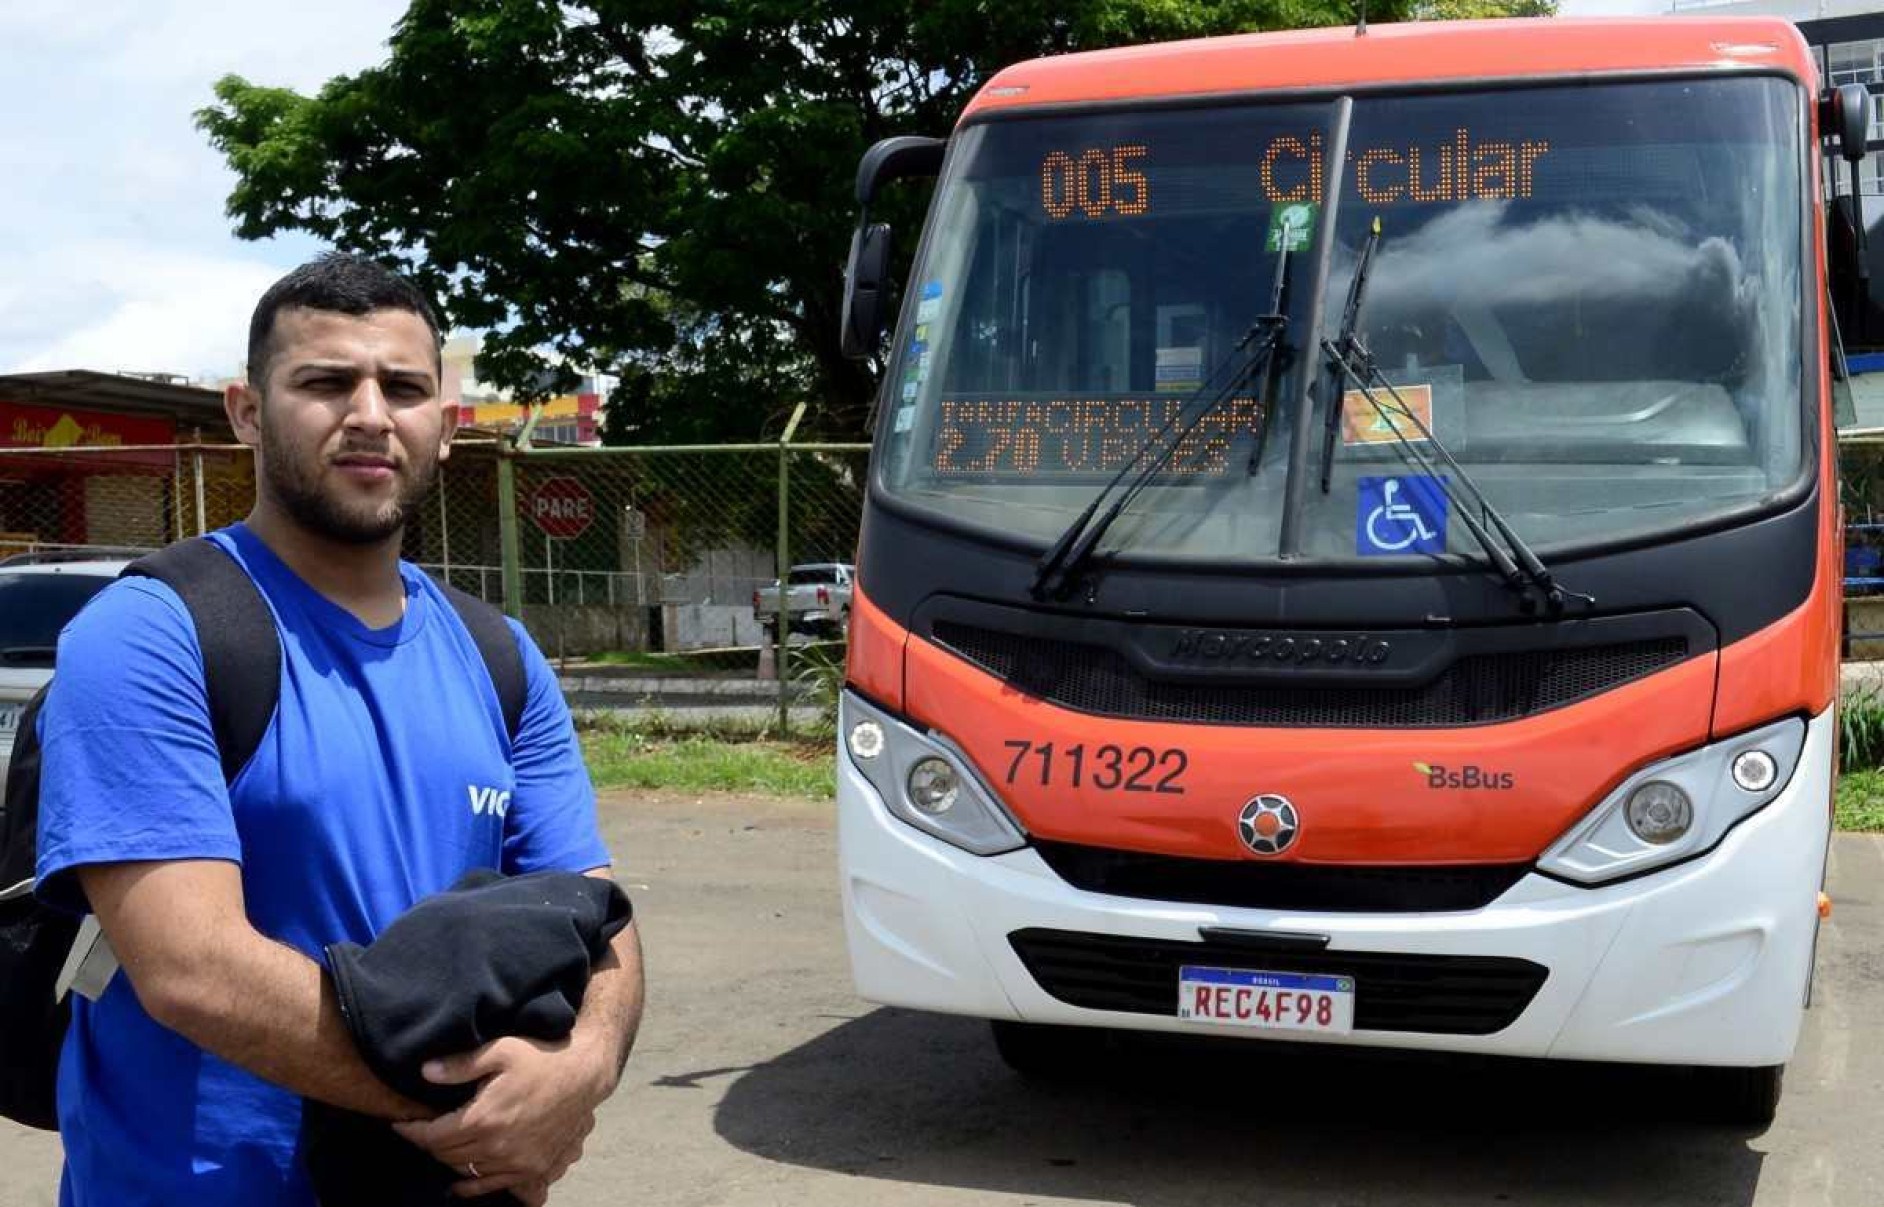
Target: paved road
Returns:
[[760, 1080]]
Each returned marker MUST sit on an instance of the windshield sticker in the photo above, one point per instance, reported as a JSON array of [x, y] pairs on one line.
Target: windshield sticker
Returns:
[[915, 368], [1401, 514], [1364, 423], [929, 307], [1179, 369], [905, 418], [1291, 226]]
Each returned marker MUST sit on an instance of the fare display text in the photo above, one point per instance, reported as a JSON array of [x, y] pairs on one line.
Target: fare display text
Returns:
[[1077, 436]]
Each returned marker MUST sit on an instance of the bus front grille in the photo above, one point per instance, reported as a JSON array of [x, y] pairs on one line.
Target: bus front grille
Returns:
[[1477, 689], [1428, 994], [1247, 884]]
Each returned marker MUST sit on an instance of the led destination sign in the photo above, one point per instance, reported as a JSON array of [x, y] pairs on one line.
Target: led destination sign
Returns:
[[1105, 182], [1024, 438], [1462, 169], [1095, 182]]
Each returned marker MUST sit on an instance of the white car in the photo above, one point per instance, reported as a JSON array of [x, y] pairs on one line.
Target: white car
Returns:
[[39, 594]]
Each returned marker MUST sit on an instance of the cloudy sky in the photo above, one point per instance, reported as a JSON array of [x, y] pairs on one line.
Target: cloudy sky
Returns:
[[112, 232], [116, 249]]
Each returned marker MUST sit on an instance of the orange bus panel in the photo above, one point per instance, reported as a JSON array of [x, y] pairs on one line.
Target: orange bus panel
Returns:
[[1409, 53], [875, 665], [1364, 795]]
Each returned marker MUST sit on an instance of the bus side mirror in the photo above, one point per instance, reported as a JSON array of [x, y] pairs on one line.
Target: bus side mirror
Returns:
[[1845, 114], [866, 289], [867, 275], [910, 155]]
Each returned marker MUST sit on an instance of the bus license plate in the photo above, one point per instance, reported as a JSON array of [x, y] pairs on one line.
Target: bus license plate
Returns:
[[1269, 1001]]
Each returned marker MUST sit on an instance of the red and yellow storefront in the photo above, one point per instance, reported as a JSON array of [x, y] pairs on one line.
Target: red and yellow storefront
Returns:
[[100, 459], [565, 419]]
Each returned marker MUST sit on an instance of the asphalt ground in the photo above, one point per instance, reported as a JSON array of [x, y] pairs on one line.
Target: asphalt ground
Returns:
[[761, 1080]]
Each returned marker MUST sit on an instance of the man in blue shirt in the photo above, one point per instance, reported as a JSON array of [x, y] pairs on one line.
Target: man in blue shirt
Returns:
[[386, 773]]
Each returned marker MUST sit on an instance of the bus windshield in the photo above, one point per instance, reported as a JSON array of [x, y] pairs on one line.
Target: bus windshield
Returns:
[[1591, 295]]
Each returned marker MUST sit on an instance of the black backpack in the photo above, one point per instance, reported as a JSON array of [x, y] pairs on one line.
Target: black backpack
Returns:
[[242, 672]]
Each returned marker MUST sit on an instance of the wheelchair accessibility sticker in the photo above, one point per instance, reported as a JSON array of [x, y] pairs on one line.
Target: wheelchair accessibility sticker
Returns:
[[1401, 514]]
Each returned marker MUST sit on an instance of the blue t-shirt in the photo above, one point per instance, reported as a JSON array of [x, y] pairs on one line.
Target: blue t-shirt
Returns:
[[385, 775]]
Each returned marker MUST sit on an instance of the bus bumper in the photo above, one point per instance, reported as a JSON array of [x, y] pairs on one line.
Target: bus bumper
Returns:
[[1707, 962]]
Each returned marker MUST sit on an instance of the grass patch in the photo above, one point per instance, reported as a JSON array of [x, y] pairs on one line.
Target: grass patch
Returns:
[[696, 762], [1861, 728], [1859, 802]]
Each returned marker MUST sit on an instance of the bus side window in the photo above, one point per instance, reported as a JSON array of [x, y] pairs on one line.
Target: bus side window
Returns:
[[983, 352], [1078, 316], [1108, 339], [1844, 405]]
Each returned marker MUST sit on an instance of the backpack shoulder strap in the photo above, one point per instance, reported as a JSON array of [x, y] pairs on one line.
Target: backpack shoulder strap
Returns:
[[241, 647], [498, 646], [19, 807]]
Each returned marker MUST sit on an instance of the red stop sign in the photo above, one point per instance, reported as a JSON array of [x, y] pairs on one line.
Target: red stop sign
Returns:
[[562, 507]]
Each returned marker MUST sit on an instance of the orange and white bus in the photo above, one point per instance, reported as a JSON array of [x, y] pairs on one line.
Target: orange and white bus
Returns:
[[1352, 548]]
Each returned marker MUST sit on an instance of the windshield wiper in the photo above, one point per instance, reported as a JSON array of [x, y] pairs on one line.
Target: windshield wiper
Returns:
[[1350, 338], [1258, 349], [1347, 353]]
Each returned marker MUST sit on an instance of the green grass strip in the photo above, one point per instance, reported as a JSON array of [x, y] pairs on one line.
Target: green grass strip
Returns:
[[1859, 802], [701, 764]]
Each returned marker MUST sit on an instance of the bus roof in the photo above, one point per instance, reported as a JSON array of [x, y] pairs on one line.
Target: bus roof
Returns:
[[1401, 53]]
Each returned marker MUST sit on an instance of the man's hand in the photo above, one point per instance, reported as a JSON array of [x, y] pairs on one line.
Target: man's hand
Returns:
[[526, 1124]]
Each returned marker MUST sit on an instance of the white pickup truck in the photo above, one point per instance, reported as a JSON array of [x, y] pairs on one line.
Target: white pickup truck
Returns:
[[817, 600]]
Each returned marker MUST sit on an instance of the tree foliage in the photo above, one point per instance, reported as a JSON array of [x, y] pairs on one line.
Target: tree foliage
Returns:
[[656, 188], [1481, 10]]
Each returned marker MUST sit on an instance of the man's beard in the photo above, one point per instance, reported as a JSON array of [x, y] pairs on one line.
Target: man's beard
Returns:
[[296, 486]]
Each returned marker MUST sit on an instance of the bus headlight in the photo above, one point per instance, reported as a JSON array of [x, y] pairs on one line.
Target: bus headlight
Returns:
[[925, 781], [1755, 770], [1659, 812], [1677, 808], [866, 740], [933, 785]]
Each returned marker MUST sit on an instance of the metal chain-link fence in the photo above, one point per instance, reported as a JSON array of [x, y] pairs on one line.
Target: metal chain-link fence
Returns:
[[644, 549], [1861, 492], [121, 498], [633, 550], [679, 541]]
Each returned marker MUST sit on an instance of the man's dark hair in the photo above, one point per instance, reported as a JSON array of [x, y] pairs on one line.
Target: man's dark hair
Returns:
[[341, 283]]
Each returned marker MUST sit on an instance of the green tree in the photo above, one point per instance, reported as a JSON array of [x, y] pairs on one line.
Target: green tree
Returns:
[[656, 188], [1480, 10]]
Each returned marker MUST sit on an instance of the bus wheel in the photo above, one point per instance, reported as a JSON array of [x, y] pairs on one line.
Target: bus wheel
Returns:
[[1741, 1096], [1043, 1051]]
